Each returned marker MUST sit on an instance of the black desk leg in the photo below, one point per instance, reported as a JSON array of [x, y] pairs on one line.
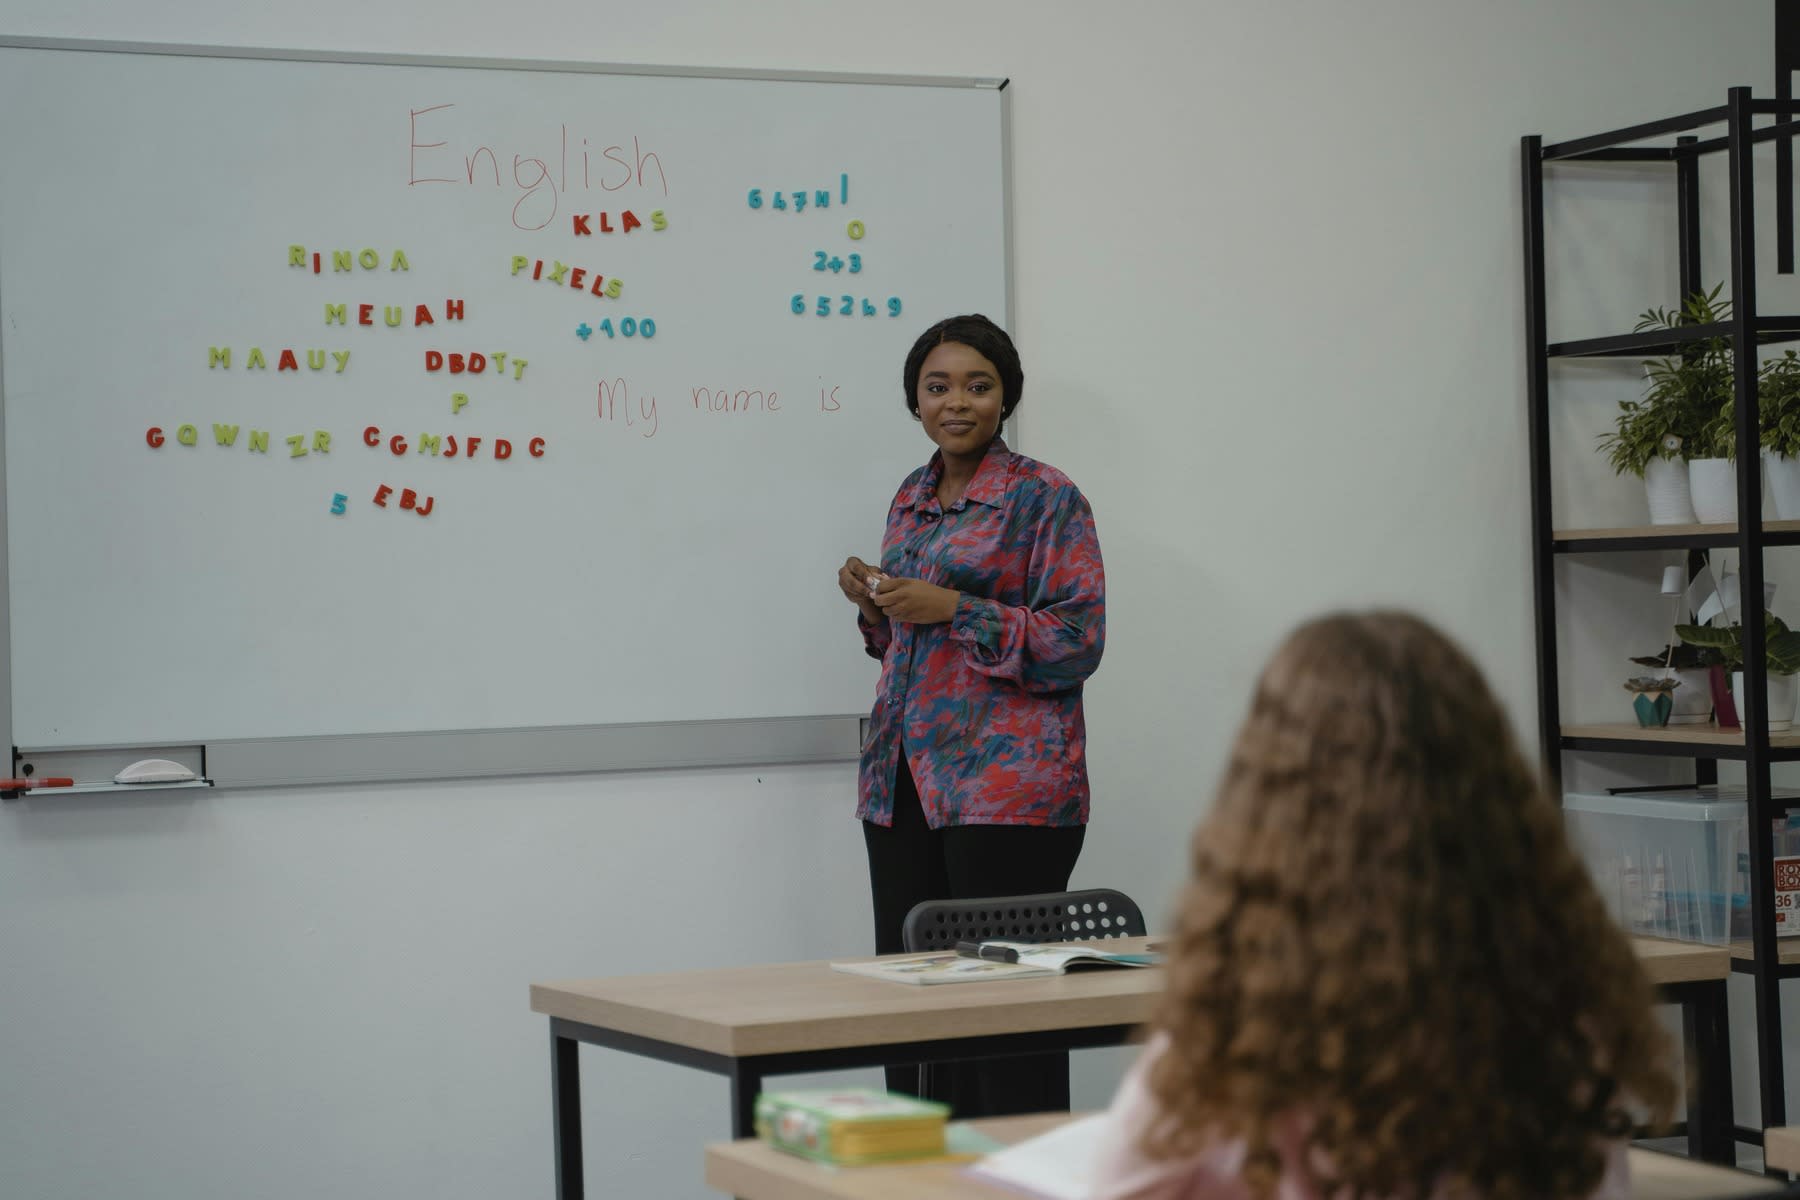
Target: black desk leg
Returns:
[[565, 1099], [746, 1082], [1711, 1137]]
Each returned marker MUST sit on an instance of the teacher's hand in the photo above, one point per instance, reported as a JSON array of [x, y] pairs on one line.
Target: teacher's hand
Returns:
[[916, 601], [855, 578]]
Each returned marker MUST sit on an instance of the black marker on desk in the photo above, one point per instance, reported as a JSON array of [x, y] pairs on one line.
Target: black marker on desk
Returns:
[[992, 953]]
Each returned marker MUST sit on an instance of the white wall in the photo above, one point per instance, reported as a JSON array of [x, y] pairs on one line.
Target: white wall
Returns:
[[1269, 300]]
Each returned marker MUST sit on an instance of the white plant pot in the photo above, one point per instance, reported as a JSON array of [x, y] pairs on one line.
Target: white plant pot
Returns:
[[1713, 483], [1693, 699], [1782, 691], [1666, 486], [1783, 474]]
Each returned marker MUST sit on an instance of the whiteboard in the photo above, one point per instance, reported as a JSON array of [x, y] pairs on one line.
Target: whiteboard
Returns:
[[301, 440]]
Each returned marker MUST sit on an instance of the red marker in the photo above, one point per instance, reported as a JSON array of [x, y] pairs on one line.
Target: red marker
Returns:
[[16, 785]]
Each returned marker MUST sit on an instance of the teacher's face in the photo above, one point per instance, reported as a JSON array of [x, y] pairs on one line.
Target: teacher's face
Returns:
[[959, 400]]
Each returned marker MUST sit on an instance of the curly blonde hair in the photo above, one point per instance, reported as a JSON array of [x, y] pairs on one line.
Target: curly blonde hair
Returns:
[[1388, 939]]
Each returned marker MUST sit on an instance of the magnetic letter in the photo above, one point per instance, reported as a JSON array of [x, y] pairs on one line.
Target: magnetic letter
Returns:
[[288, 362], [225, 435], [321, 442], [456, 363], [408, 498], [315, 359], [473, 443], [400, 263], [422, 316], [433, 360], [187, 435], [369, 260], [605, 225], [259, 441], [296, 445], [428, 444], [256, 359], [337, 503], [457, 401], [392, 313], [502, 449], [364, 314], [382, 493], [340, 260], [453, 310], [628, 221], [424, 510], [536, 448], [558, 271], [576, 276], [397, 445], [342, 358], [614, 286], [477, 363], [154, 436], [519, 263], [658, 222], [372, 436], [296, 256], [215, 357], [581, 226], [335, 312]]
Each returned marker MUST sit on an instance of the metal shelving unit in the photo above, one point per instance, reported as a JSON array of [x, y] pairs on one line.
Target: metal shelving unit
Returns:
[[1747, 329]]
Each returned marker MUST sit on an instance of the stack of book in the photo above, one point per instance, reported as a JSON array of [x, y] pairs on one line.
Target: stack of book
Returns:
[[850, 1126]]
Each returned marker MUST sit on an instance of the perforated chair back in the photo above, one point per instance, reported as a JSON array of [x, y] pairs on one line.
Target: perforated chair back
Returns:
[[1052, 917]]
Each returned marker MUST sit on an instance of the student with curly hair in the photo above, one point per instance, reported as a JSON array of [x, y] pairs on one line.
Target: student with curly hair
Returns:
[[1391, 976]]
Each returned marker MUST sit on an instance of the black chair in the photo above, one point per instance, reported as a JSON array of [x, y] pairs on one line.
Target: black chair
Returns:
[[1052, 917]]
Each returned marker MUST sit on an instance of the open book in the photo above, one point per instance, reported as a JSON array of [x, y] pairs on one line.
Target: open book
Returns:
[[947, 966], [1058, 1165]]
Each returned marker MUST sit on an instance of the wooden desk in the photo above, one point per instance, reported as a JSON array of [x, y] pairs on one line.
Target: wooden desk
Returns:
[[1693, 976], [1781, 1148], [753, 1171], [748, 1023]]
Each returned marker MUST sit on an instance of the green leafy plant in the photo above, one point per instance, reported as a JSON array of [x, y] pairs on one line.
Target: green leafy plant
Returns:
[[1682, 657], [1778, 402], [1651, 684], [1781, 644], [1687, 402]]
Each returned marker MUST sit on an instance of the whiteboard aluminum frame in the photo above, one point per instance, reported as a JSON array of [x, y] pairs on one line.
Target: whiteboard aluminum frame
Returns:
[[491, 753]]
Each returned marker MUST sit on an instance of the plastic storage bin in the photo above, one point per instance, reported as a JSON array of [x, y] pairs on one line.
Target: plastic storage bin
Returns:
[[1674, 864]]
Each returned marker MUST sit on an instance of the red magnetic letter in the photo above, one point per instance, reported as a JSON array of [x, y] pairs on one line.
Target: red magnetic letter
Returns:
[[581, 226], [537, 447], [154, 436], [372, 436], [363, 312], [433, 360], [288, 362], [628, 222], [502, 448], [382, 493]]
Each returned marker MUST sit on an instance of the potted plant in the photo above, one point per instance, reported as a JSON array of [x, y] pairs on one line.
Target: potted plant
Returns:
[[1778, 404], [1652, 699], [1781, 656], [1691, 667], [1695, 388]]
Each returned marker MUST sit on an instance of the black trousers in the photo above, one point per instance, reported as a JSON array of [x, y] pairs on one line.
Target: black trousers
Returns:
[[910, 862]]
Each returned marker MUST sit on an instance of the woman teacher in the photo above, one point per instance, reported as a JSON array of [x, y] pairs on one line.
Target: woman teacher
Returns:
[[988, 613]]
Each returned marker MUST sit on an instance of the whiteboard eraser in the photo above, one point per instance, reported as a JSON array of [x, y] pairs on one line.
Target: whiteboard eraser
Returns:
[[154, 770]]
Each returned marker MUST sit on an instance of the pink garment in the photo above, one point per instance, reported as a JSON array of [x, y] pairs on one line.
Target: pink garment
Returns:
[[1123, 1172]]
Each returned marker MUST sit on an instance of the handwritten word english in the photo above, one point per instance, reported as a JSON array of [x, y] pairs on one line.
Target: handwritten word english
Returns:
[[610, 169]]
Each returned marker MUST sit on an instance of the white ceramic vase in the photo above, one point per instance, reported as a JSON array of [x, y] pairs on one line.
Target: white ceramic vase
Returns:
[[1783, 474], [1693, 699], [1782, 691], [1666, 486], [1713, 484]]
